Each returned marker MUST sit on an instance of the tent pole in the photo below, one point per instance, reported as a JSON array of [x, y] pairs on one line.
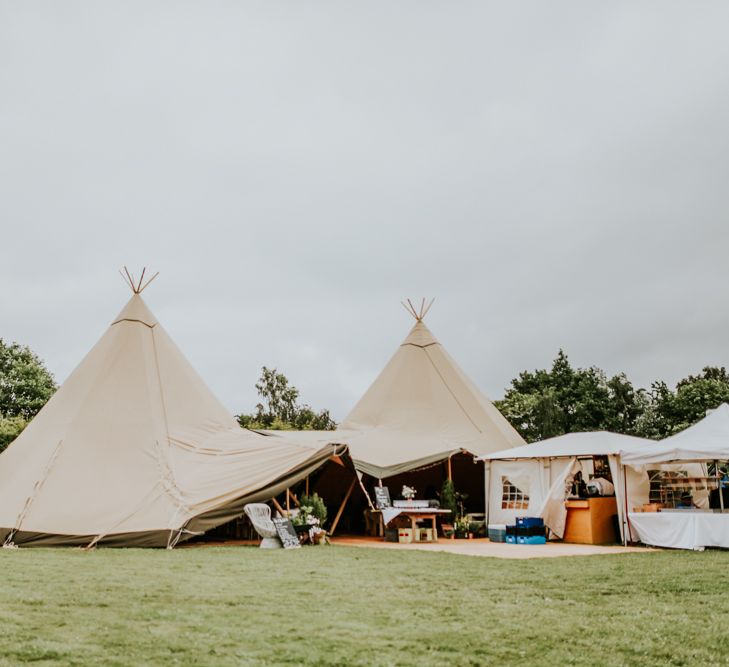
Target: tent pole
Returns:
[[307, 485], [281, 510], [341, 507], [487, 489], [287, 501], [450, 472], [626, 522], [718, 483]]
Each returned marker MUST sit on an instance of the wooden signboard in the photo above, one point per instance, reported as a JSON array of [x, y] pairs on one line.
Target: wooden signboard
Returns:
[[382, 497], [287, 533]]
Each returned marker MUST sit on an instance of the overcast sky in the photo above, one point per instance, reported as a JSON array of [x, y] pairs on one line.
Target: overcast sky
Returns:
[[553, 173]]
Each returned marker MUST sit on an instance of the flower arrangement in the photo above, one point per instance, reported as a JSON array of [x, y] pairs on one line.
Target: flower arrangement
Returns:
[[408, 492], [462, 525], [311, 516]]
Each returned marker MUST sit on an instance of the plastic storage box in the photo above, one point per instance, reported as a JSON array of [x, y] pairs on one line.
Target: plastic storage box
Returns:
[[531, 539], [497, 532]]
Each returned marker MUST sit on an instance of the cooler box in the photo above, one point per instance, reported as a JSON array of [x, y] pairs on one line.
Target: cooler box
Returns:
[[497, 532]]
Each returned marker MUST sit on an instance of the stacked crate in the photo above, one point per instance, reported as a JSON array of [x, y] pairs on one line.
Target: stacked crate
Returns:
[[527, 530]]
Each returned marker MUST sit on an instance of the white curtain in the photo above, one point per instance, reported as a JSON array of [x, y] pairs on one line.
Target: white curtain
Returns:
[[553, 509]]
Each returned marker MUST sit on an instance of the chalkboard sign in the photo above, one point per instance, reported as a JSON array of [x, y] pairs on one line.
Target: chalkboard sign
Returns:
[[287, 533], [382, 497]]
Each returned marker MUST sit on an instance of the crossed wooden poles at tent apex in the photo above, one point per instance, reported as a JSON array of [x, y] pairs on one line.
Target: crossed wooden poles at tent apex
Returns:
[[421, 312], [135, 286]]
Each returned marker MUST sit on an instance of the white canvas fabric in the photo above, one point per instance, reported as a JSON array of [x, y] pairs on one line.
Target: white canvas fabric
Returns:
[[135, 449], [587, 443], [527, 476], [707, 440], [553, 509], [421, 409], [681, 529]]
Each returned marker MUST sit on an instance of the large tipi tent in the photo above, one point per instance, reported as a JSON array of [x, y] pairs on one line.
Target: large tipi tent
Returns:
[[134, 449], [421, 409]]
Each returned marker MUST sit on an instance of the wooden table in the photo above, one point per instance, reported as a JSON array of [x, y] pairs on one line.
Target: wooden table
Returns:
[[590, 520], [414, 514]]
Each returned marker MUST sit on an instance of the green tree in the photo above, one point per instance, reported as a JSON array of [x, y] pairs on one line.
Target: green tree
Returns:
[[671, 411], [25, 386], [10, 428], [279, 409], [25, 382], [544, 403]]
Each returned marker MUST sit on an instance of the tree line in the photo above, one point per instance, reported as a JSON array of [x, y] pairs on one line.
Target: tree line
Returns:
[[563, 399], [539, 404]]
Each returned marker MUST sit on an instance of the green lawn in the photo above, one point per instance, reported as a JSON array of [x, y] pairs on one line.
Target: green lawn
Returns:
[[339, 605]]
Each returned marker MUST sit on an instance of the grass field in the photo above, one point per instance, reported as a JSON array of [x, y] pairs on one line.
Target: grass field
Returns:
[[339, 605]]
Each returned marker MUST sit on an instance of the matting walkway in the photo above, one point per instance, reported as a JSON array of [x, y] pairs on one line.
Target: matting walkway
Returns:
[[484, 547]]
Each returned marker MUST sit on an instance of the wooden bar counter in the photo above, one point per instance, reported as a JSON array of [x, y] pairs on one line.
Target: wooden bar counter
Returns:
[[590, 520]]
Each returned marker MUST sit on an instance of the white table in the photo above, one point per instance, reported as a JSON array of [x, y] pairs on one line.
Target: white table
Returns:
[[683, 529]]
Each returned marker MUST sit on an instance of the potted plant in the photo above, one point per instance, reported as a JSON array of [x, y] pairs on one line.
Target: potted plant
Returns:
[[462, 527], [311, 517]]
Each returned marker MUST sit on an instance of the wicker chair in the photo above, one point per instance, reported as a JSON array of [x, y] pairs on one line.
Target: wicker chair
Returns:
[[260, 516]]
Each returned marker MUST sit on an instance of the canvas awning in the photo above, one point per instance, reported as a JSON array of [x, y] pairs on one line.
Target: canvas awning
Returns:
[[707, 440]]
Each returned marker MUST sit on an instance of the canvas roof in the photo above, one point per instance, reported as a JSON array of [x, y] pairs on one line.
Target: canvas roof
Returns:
[[419, 410], [588, 443], [707, 440], [135, 449]]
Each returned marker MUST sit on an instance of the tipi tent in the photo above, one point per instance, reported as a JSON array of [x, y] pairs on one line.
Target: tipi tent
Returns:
[[421, 409], [134, 449]]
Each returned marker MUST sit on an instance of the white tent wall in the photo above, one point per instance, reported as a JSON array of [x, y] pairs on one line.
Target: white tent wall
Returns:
[[535, 477], [638, 487], [527, 476]]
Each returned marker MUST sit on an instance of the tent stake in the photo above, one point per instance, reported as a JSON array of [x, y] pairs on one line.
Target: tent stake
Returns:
[[341, 507]]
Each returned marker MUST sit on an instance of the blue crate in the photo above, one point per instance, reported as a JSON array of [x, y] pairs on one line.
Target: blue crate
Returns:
[[510, 539], [529, 522], [534, 539]]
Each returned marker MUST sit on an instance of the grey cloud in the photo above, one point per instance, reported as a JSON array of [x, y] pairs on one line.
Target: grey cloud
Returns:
[[553, 173]]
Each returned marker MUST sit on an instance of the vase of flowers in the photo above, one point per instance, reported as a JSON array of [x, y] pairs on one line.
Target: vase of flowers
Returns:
[[408, 492]]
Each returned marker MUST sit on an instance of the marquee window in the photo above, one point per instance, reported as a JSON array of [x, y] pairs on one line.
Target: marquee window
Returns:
[[512, 497]]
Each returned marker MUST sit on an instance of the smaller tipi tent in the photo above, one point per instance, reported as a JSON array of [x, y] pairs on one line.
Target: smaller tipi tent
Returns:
[[421, 409], [135, 450]]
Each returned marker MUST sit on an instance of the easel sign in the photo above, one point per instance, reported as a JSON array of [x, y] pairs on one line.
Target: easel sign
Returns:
[[382, 497], [287, 533]]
